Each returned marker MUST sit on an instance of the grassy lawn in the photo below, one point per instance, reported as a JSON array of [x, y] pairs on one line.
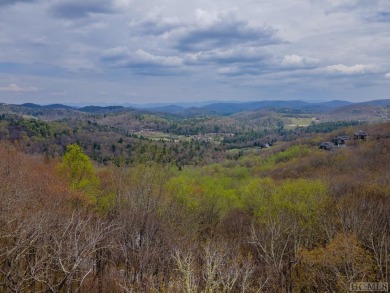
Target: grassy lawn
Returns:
[[298, 121]]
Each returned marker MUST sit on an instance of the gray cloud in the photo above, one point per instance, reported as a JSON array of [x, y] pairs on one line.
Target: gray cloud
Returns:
[[153, 27], [224, 32], [11, 2], [317, 47], [382, 16], [141, 62], [73, 9]]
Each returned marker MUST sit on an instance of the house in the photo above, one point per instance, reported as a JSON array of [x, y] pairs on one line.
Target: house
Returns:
[[339, 140], [327, 145], [360, 135]]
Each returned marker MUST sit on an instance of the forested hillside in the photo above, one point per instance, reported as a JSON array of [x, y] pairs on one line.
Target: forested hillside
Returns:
[[89, 206]]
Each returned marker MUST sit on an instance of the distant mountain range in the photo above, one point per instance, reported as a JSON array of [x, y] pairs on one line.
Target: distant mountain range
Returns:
[[231, 108], [228, 108], [219, 108]]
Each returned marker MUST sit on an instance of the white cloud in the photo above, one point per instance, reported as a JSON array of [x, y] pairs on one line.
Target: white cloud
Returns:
[[123, 4], [231, 70], [78, 64], [116, 52], [387, 75], [145, 57], [122, 56], [228, 56], [13, 87], [206, 18], [298, 61], [355, 69], [292, 60]]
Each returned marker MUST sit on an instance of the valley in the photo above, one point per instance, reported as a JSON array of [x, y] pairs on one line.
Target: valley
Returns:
[[106, 199]]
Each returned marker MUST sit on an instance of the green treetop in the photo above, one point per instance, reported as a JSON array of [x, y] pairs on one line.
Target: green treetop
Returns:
[[76, 167]]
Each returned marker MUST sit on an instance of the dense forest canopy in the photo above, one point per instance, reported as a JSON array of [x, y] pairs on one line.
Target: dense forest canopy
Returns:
[[241, 203]]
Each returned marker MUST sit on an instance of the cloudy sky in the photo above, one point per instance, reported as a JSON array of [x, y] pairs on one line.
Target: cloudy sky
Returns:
[[128, 51]]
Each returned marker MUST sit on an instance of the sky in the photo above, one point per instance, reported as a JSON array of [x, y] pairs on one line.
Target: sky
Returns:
[[128, 51]]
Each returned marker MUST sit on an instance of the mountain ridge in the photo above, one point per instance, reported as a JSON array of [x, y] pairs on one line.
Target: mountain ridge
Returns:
[[218, 108]]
